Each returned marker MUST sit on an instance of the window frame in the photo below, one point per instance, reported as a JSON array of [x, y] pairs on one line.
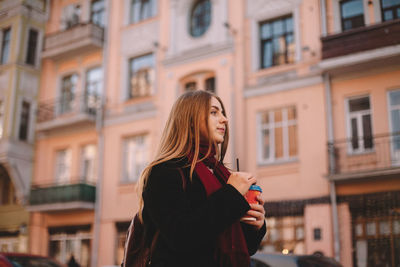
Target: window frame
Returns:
[[193, 29], [58, 179], [342, 20], [358, 115], [271, 126], [32, 54], [395, 154], [141, 17], [147, 70], [392, 8], [83, 177], [97, 13], [98, 92], [72, 101], [24, 130], [272, 37], [5, 45], [143, 148]]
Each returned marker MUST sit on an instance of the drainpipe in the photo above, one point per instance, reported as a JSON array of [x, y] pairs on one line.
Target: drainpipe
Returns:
[[331, 155], [99, 129]]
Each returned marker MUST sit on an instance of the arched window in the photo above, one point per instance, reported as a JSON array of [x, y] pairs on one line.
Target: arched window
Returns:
[[200, 18]]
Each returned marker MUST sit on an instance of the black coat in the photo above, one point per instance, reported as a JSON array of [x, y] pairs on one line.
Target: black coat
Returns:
[[189, 221]]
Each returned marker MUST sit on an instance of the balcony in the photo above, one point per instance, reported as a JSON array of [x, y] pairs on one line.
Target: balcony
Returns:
[[364, 46], [61, 197], [69, 110], [365, 158], [75, 40]]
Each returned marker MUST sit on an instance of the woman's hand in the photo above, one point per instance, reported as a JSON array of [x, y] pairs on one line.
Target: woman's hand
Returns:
[[257, 211], [241, 181]]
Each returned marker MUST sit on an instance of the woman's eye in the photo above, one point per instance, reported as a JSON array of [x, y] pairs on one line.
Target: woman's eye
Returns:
[[213, 112]]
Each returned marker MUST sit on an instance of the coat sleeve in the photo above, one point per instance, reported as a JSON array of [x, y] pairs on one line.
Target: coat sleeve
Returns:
[[183, 227], [253, 236]]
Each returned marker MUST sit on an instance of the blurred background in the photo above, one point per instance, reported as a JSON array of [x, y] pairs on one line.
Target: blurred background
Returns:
[[311, 88]]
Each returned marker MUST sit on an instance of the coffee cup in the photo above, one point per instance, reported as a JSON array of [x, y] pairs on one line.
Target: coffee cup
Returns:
[[251, 197]]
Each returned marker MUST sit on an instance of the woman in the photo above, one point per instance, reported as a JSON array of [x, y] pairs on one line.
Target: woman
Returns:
[[190, 203]]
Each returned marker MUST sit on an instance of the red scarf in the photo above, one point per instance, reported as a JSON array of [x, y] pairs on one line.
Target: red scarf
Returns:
[[231, 249]]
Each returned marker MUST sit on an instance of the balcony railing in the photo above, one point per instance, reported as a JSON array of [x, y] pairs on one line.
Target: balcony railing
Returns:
[[361, 39], [365, 157], [55, 197], [77, 39], [67, 110]]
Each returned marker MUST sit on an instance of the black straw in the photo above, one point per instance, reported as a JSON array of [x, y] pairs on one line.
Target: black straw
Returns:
[[237, 164]]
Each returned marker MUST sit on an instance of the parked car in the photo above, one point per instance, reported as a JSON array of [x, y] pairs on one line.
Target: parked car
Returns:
[[26, 260], [282, 260]]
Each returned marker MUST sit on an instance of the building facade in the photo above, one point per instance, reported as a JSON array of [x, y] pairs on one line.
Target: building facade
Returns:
[[21, 30], [311, 89]]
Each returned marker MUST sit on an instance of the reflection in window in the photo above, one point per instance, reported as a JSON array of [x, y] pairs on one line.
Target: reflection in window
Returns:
[[68, 90], [32, 47], [390, 9], [277, 42], [24, 121], [352, 14], [141, 10], [190, 86], [94, 88], [200, 18], [62, 166], [210, 85], [88, 163], [97, 11], [141, 76], [394, 102], [5, 46]]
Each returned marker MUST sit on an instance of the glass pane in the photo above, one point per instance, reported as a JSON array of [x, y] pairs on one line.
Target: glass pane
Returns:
[[266, 144], [389, 3], [352, 8], [266, 31], [289, 24], [354, 133], [359, 104], [384, 228], [359, 229], [278, 27], [267, 52], [395, 114], [395, 98], [388, 15], [265, 118], [291, 113], [396, 226], [362, 253], [371, 228], [292, 140], [278, 142], [299, 233], [368, 140]]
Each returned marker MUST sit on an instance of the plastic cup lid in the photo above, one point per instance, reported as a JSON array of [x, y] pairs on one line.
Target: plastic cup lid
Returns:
[[255, 187]]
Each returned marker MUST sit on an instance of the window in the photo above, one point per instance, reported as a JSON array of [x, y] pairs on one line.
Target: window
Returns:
[[210, 84], [190, 86], [122, 228], [394, 109], [390, 9], [94, 88], [360, 124], [200, 18], [32, 47], [1, 118], [88, 163], [136, 157], [141, 76], [68, 88], [142, 9], [284, 234], [352, 14], [7, 190], [71, 15], [5, 46], [62, 166], [70, 240], [97, 11], [24, 121], [277, 42], [277, 135]]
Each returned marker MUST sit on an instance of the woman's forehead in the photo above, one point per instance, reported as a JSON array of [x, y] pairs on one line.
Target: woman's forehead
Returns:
[[215, 103]]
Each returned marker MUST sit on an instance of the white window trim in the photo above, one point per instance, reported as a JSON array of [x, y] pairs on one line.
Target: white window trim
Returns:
[[359, 115], [127, 13], [337, 16], [68, 163], [81, 163], [124, 179], [272, 126], [390, 108], [255, 35], [78, 93]]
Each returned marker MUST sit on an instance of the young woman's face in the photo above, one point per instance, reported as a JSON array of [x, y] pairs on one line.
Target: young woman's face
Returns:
[[216, 122]]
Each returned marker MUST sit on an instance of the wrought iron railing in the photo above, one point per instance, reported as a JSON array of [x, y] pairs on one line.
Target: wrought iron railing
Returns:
[[62, 193], [370, 153], [68, 104]]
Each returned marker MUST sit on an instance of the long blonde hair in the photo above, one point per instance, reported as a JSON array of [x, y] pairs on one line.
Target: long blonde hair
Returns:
[[181, 134]]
